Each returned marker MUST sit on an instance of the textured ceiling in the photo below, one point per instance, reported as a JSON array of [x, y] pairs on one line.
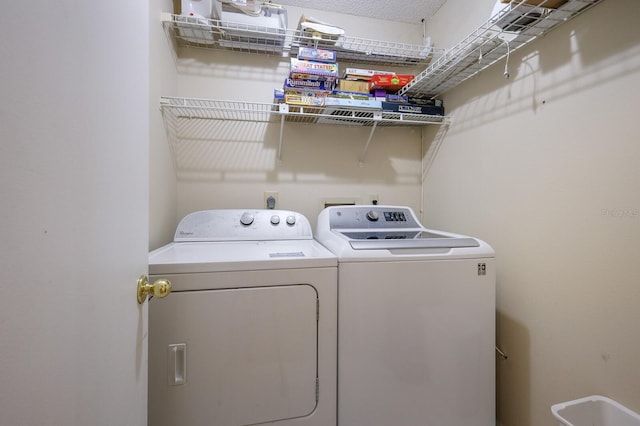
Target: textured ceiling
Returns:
[[411, 11]]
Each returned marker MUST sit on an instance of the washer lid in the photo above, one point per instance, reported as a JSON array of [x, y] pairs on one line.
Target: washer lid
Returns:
[[378, 240], [426, 243], [372, 233]]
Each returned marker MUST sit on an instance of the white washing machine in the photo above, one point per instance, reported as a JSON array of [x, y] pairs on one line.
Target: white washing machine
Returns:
[[248, 334], [416, 320]]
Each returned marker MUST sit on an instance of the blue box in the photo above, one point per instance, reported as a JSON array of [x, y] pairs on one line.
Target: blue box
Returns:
[[323, 86]]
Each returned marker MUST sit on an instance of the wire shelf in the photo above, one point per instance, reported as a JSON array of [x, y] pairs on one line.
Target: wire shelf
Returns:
[[240, 37], [511, 28], [176, 109], [199, 119], [508, 30]]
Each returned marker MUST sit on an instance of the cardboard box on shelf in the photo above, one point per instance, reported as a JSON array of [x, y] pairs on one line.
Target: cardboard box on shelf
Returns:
[[278, 96], [313, 30], [320, 55], [399, 99], [350, 95], [551, 4], [353, 103], [356, 86], [380, 94], [312, 70], [305, 93], [321, 86], [362, 74], [295, 99], [390, 82], [412, 109], [425, 101]]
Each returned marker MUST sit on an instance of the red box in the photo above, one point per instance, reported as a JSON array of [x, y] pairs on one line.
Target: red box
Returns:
[[390, 82]]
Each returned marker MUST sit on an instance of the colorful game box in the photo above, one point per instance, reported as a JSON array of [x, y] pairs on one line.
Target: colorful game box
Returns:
[[390, 82], [323, 86], [412, 109], [320, 55], [311, 70]]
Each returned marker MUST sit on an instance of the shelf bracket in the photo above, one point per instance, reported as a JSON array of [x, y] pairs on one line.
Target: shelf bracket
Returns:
[[377, 117], [283, 109]]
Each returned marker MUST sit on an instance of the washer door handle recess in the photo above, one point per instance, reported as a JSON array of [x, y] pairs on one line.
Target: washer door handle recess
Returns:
[[159, 288]]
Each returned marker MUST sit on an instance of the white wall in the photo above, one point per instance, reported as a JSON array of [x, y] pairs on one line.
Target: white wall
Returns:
[[237, 162], [544, 166], [457, 19], [162, 176]]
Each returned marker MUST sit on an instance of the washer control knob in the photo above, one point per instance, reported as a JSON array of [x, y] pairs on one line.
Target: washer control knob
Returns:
[[372, 215], [275, 219], [291, 220], [246, 219]]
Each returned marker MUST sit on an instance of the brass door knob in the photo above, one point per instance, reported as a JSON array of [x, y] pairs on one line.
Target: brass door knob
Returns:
[[160, 288]]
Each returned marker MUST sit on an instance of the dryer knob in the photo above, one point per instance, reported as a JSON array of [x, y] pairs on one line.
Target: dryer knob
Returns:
[[246, 219], [372, 215], [291, 220], [275, 219]]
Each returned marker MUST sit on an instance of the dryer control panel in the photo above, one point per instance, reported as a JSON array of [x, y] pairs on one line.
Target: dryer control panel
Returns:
[[243, 225]]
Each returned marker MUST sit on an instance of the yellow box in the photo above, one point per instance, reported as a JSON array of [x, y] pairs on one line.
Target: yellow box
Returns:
[[355, 86]]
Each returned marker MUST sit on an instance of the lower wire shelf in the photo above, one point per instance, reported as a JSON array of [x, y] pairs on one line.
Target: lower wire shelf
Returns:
[[178, 112]]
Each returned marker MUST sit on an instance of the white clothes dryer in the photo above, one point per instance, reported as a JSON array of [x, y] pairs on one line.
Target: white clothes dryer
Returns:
[[416, 320], [248, 334]]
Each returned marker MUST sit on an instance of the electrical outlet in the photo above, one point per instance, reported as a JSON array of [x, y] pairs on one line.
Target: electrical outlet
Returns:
[[270, 199]]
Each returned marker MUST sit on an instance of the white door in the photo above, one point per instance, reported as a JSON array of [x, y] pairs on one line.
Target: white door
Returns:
[[73, 212]]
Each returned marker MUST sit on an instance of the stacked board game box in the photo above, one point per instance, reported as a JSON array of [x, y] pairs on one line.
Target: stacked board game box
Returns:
[[312, 76]]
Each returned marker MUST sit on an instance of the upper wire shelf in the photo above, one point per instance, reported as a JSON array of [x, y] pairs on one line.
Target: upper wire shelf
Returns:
[[508, 30], [241, 37]]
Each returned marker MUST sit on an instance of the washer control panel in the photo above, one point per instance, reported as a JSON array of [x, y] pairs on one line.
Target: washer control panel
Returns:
[[243, 225], [395, 216], [372, 217]]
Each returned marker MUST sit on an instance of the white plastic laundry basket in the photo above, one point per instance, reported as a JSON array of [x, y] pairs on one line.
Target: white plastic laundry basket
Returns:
[[594, 411]]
